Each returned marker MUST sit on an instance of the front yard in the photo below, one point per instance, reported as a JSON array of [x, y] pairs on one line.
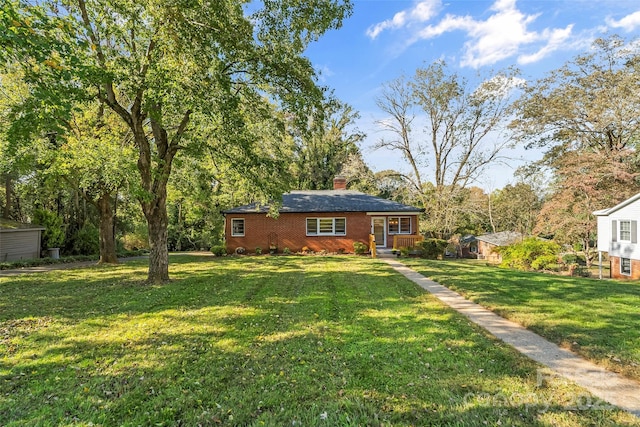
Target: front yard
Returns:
[[598, 319], [277, 341]]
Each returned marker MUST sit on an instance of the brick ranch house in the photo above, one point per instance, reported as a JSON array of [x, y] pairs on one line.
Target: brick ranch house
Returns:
[[487, 243], [330, 220], [618, 235]]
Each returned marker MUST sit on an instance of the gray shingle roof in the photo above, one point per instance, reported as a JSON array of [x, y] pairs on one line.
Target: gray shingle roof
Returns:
[[502, 238], [329, 201]]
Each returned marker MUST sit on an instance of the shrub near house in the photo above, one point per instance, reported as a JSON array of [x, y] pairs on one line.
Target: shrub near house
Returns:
[[530, 254]]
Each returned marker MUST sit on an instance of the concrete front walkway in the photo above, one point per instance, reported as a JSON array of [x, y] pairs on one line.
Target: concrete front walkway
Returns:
[[606, 385]]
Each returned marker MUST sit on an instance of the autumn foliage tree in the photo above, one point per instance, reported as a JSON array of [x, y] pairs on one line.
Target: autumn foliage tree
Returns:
[[587, 116]]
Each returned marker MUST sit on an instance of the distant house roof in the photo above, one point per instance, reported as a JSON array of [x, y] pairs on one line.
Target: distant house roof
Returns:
[[469, 238], [502, 238], [609, 211], [317, 201]]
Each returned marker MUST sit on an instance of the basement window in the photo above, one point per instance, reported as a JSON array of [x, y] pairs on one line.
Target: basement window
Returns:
[[625, 266]]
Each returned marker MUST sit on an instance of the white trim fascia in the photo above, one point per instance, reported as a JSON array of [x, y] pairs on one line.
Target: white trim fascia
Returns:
[[393, 213], [607, 212]]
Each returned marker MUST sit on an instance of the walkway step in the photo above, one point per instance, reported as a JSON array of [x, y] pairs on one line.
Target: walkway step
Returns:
[[606, 385]]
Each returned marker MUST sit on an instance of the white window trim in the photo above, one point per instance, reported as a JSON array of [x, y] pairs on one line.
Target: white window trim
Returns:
[[621, 271], [333, 226], [620, 230], [243, 227], [399, 227]]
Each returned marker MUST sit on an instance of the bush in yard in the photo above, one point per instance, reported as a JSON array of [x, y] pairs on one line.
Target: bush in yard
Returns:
[[545, 262], [360, 248], [574, 259], [524, 255], [86, 241], [219, 250], [258, 250], [53, 235], [432, 248]]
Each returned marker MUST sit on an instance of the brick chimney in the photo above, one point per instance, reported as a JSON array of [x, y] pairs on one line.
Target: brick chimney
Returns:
[[339, 183]]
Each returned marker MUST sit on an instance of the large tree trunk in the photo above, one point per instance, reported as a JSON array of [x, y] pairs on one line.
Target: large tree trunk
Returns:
[[157, 221], [107, 234], [8, 187]]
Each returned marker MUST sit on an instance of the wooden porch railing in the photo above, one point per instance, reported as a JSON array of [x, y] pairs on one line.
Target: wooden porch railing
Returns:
[[372, 246], [406, 241]]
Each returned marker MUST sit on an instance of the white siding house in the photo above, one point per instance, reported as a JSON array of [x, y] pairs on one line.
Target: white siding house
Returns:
[[618, 235]]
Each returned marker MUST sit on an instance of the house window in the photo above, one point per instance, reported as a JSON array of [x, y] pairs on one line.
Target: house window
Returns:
[[326, 226], [625, 231], [625, 266], [237, 227], [400, 225]]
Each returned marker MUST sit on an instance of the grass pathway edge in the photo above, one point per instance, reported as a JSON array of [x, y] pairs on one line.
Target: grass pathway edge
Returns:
[[604, 384]]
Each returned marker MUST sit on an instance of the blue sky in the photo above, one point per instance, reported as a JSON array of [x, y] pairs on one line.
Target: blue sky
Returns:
[[384, 39]]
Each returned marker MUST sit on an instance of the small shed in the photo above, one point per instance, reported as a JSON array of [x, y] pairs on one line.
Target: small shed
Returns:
[[19, 241]]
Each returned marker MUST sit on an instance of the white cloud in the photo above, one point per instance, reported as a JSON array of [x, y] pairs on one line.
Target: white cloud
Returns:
[[628, 23], [323, 72], [556, 39], [422, 11], [505, 33]]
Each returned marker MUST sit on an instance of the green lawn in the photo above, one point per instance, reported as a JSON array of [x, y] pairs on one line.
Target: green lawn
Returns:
[[277, 341], [599, 319]]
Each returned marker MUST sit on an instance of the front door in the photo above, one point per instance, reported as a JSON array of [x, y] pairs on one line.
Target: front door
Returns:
[[378, 229]]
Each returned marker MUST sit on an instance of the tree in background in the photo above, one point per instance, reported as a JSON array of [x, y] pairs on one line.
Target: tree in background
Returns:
[[320, 155], [586, 114], [463, 127], [514, 208], [157, 65], [14, 161], [94, 159]]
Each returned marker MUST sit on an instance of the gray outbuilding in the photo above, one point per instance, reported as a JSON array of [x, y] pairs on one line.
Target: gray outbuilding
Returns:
[[19, 241]]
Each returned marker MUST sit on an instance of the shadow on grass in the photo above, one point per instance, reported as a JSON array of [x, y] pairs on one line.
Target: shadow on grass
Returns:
[[595, 318], [260, 341]]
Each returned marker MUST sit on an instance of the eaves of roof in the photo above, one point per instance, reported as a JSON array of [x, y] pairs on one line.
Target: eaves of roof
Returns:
[[318, 201], [609, 211]]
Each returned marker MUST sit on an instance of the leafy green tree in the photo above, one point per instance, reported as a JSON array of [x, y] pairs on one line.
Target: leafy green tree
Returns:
[[515, 208], [322, 154], [94, 159], [14, 162], [53, 234], [158, 65]]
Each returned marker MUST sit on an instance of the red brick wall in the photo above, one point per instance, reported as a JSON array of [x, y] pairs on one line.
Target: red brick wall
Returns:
[[291, 230], [615, 269]]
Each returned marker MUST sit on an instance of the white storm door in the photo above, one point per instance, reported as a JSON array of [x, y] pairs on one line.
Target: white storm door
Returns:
[[379, 229]]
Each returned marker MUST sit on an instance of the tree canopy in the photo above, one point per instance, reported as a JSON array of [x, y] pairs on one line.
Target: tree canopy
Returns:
[[158, 65]]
